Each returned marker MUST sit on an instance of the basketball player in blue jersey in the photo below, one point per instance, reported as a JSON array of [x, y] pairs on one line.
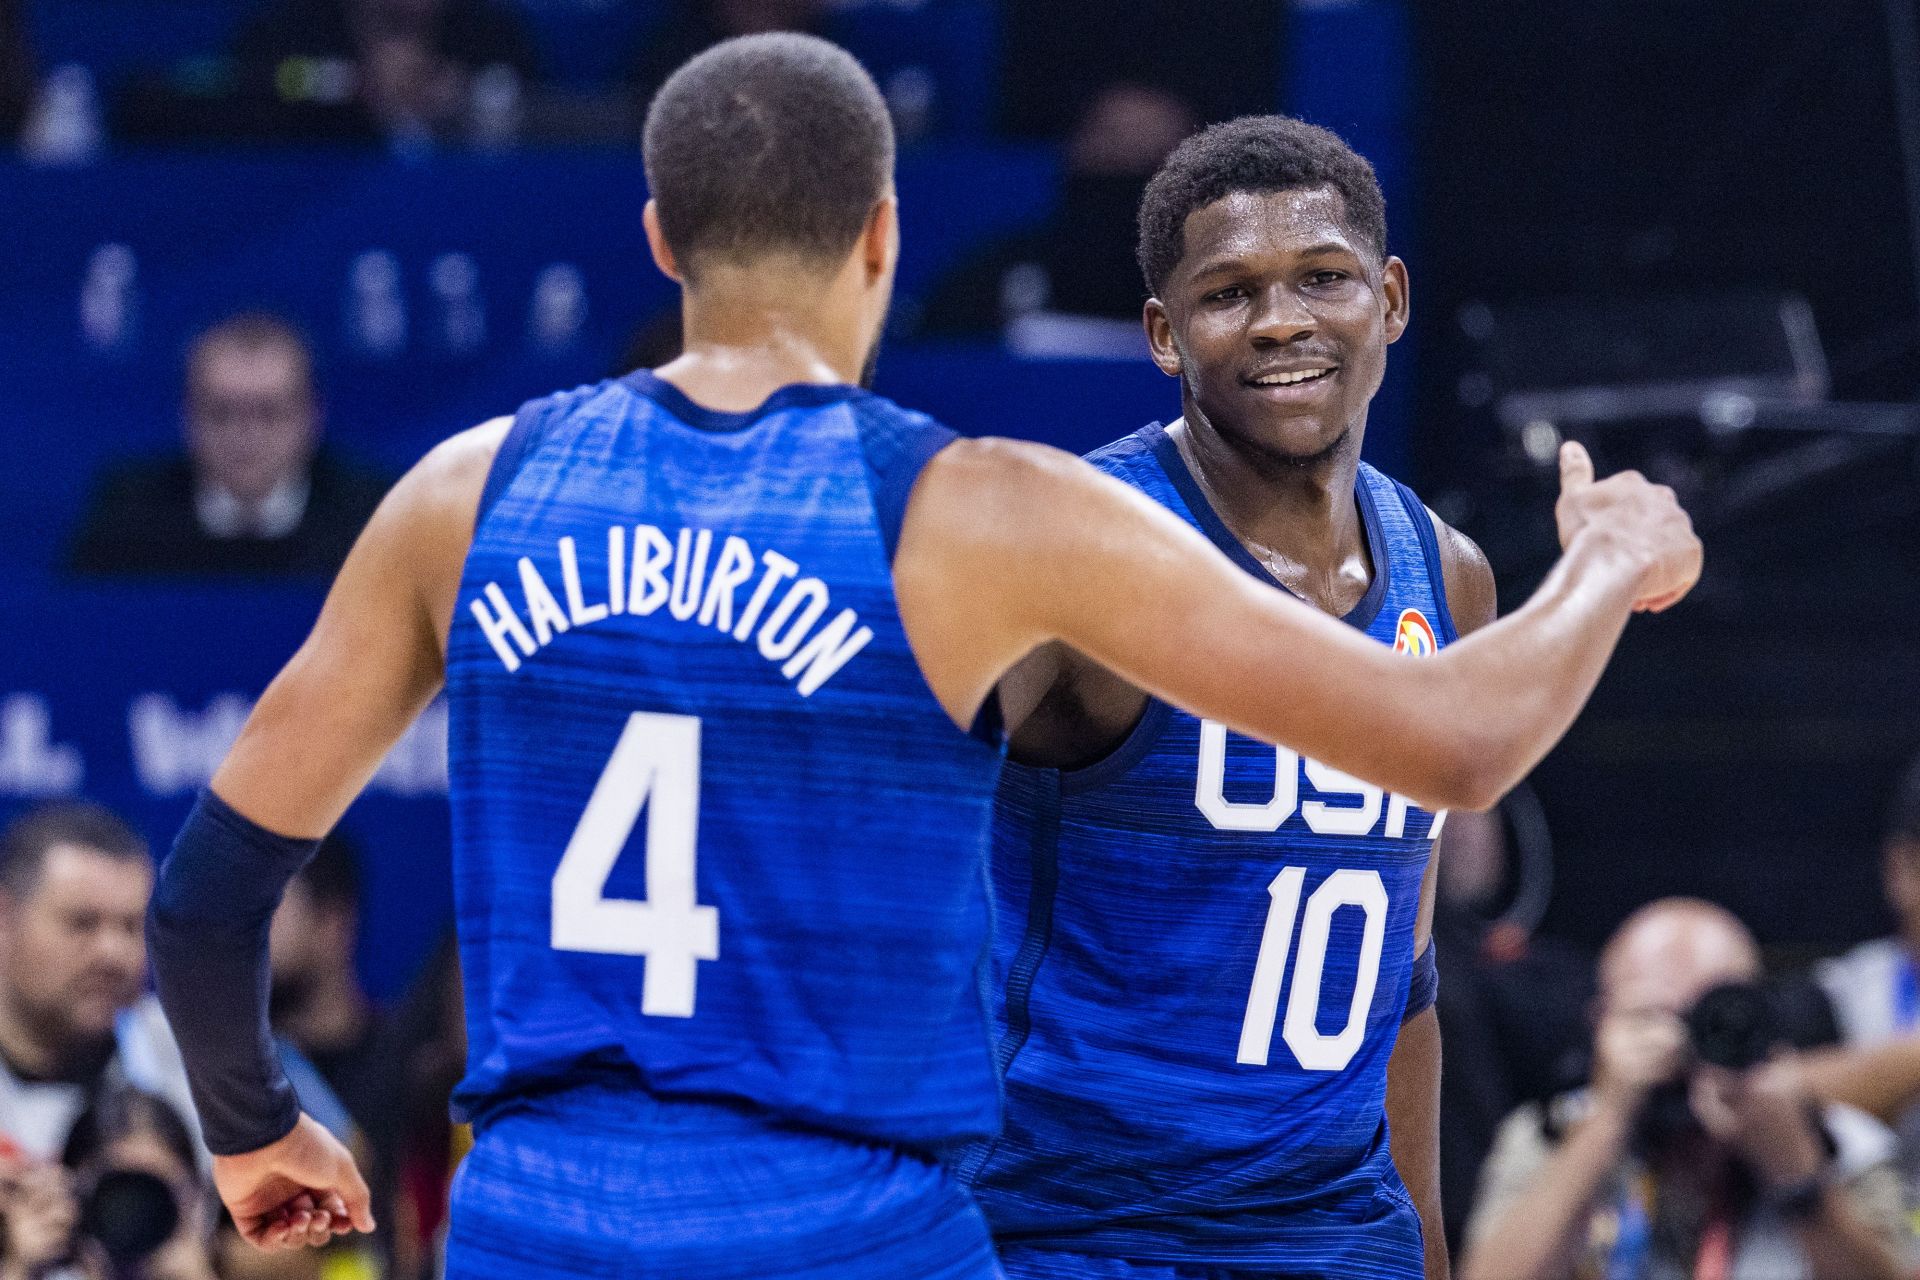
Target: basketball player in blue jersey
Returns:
[[1213, 967], [717, 641]]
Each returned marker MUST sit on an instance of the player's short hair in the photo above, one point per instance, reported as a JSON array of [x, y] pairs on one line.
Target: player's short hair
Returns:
[[1903, 815], [1257, 154], [766, 144], [251, 331], [28, 839]]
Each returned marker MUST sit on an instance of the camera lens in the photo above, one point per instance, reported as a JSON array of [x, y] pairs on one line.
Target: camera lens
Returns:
[[1734, 1026], [130, 1214]]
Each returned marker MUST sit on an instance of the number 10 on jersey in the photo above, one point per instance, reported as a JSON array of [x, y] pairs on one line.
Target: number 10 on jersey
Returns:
[[655, 765]]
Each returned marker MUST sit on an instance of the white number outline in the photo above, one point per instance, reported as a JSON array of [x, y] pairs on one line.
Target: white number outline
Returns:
[[657, 759], [1314, 1050]]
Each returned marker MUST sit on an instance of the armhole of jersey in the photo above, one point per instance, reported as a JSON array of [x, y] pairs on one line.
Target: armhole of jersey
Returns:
[[1430, 547], [896, 451], [1423, 986], [514, 449]]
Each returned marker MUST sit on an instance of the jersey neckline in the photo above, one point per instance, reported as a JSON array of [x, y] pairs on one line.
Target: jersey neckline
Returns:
[[796, 395], [1167, 453]]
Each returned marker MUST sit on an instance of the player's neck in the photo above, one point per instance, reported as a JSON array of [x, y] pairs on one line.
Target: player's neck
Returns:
[[745, 340], [1305, 511]]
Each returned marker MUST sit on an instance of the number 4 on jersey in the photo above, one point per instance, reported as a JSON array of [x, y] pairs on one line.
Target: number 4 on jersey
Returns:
[[656, 766]]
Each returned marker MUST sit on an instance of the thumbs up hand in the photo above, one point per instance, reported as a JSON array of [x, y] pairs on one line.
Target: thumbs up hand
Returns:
[[1643, 518]]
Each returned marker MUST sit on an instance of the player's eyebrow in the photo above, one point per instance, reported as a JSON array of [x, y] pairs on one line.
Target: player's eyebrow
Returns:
[[1239, 263]]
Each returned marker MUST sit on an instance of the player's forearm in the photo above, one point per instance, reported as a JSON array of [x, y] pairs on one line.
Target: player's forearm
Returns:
[[1413, 1122], [1883, 1080], [1510, 691], [1538, 1234]]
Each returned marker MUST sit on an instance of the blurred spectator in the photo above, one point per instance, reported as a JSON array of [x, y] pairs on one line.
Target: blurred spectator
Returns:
[[1058, 55], [74, 881], [75, 1020], [405, 70], [431, 1055], [1511, 1004], [16, 69], [695, 24], [1671, 1166], [253, 492], [318, 1005], [1081, 262], [1875, 988], [142, 1203]]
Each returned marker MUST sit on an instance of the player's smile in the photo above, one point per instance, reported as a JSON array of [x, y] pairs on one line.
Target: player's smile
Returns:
[[1296, 383]]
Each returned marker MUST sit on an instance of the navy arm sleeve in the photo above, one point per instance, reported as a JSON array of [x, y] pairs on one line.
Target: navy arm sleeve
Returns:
[[1423, 988], [207, 932]]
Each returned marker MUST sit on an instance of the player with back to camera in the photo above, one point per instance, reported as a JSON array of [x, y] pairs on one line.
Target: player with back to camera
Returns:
[[720, 643], [1178, 1094]]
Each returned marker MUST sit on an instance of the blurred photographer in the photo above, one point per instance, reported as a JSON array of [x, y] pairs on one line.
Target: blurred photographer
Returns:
[[1695, 1153], [144, 1213]]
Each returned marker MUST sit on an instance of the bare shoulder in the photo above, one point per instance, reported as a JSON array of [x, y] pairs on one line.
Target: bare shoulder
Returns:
[[424, 529], [974, 474], [1469, 578], [448, 481]]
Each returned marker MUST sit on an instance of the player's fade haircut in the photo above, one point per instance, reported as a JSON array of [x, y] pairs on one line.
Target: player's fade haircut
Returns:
[[251, 331], [25, 843], [767, 144], [1256, 154]]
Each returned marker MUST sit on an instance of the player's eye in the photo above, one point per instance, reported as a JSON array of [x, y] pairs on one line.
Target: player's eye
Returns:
[[1232, 293], [1326, 277]]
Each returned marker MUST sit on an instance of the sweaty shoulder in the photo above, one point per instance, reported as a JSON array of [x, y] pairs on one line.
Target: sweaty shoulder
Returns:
[[428, 517], [1471, 595]]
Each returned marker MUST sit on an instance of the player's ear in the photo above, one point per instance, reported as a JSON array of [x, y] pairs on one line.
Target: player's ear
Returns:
[[1160, 337], [1393, 284], [880, 241], [657, 241]]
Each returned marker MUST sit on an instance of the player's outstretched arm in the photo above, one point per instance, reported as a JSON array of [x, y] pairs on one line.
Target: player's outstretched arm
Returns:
[[374, 659], [1007, 546]]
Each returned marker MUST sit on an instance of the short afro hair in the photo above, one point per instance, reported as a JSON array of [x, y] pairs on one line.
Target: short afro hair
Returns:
[[767, 144], [1257, 154]]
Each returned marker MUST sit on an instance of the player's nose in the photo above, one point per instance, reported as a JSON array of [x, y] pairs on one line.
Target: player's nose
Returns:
[[1280, 316]]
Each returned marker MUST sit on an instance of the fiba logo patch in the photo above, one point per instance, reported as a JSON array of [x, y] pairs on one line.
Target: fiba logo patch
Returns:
[[1414, 635]]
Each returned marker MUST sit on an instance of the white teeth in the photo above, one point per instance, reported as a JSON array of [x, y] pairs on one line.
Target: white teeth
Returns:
[[1288, 379]]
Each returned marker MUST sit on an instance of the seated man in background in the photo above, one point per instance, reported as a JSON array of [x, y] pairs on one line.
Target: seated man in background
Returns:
[[1669, 1166], [253, 492]]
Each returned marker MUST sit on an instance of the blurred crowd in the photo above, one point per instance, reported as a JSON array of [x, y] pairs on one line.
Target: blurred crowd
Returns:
[[1671, 1108], [101, 1170]]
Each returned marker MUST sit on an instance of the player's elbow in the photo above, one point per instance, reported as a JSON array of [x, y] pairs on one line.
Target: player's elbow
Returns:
[[1469, 768]]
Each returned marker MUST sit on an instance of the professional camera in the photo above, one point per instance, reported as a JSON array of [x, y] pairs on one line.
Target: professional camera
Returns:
[[129, 1213], [1737, 1025]]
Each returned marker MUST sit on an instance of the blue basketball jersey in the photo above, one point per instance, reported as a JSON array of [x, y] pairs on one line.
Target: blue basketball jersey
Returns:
[[1204, 950], [714, 837]]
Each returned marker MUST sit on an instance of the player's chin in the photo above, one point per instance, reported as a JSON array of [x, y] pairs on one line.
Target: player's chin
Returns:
[[1299, 438]]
